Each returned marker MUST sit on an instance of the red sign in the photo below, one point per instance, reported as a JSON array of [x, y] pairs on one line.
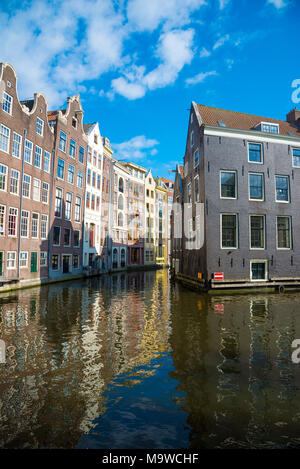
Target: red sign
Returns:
[[218, 276], [219, 308]]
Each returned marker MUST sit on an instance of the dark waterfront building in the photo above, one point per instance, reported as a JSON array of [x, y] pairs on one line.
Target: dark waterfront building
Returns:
[[243, 173]]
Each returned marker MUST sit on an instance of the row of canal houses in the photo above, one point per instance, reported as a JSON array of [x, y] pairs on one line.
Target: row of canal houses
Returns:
[[67, 206]]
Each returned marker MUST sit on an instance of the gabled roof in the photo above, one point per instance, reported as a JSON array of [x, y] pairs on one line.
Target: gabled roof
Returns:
[[53, 114], [242, 121]]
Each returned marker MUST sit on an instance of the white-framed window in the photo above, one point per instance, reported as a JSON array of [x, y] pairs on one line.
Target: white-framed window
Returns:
[[68, 209], [77, 209], [26, 185], [24, 223], [284, 232], [17, 144], [44, 226], [39, 126], [269, 127], [258, 270], [296, 157], [7, 103], [43, 258], [282, 189], [71, 172], [228, 185], [72, 151], [60, 168], [229, 231], [196, 189], [14, 181], [23, 261], [79, 178], [3, 177], [12, 221], [257, 231], [62, 142], [196, 158], [28, 149], [47, 159], [4, 138], [2, 219], [36, 189], [58, 202], [34, 225], [38, 157], [256, 186], [55, 262], [255, 153], [11, 259], [45, 192]]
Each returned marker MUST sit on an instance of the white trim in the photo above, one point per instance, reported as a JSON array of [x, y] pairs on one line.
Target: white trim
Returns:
[[264, 239], [289, 195], [251, 136], [261, 152], [235, 180], [263, 186], [259, 261], [226, 248], [293, 157], [290, 232]]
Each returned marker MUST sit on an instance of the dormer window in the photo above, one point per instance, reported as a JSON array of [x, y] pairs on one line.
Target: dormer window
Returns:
[[268, 127], [74, 122], [221, 124]]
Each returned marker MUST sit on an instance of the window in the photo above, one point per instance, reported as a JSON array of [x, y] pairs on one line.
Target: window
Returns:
[[284, 238], [43, 258], [257, 231], [256, 186], [3, 177], [62, 142], [7, 103], [282, 189], [228, 185], [26, 185], [259, 270], [81, 155], [98, 182], [44, 226], [255, 153], [94, 179], [76, 261], [269, 128], [17, 141], [94, 158], [71, 172], [74, 122], [56, 235], [60, 168], [68, 206], [79, 179], [28, 151], [14, 181], [120, 219], [120, 202], [196, 158], [24, 223], [78, 209], [72, 151], [196, 187], [192, 138], [36, 189], [39, 126], [189, 188], [45, 192], [4, 138], [58, 202], [11, 259], [76, 239], [121, 185], [87, 204], [55, 262], [34, 225], [229, 231], [296, 157], [12, 222], [38, 157], [47, 158], [88, 177], [23, 259], [67, 234], [93, 202], [89, 155], [2, 220]]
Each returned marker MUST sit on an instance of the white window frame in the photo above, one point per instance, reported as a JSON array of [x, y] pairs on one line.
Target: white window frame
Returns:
[[17, 144], [44, 222], [39, 123], [16, 213], [6, 137], [47, 159], [6, 177], [289, 190], [264, 218], [4, 100], [263, 186], [24, 259], [43, 257], [38, 151], [37, 225], [196, 151], [196, 178], [290, 232], [28, 220], [27, 148], [10, 260], [261, 152], [298, 149], [235, 185], [2, 232], [45, 191], [29, 190], [38, 199], [228, 248], [259, 261]]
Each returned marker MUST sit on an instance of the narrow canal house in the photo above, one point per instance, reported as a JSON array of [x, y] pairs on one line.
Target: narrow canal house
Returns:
[[161, 223], [69, 180], [26, 144], [244, 170]]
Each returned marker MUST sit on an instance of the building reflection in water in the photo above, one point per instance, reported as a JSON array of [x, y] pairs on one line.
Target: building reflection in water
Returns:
[[218, 369]]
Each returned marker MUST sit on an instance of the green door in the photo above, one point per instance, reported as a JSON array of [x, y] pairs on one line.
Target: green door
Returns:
[[1, 263], [33, 266]]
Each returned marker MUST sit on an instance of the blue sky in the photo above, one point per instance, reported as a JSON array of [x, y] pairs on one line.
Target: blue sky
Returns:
[[138, 64]]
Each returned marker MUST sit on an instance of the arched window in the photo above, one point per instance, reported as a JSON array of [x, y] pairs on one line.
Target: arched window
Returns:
[[120, 219], [115, 258], [120, 202], [121, 185], [123, 257]]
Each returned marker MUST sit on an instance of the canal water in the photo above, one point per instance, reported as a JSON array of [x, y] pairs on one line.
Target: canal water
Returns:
[[132, 361]]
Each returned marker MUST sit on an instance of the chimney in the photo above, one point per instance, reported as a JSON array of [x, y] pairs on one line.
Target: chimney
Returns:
[[293, 117]]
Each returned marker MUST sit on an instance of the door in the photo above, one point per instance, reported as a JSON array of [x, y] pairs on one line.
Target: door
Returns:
[[33, 264], [65, 264], [1, 263]]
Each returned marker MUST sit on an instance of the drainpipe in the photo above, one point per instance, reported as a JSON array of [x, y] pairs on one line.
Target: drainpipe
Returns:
[[21, 202]]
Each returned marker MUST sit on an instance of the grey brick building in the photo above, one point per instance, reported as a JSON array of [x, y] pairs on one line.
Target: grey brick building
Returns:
[[244, 171]]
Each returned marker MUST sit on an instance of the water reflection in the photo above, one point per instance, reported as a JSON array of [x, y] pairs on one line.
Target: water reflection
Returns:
[[130, 361]]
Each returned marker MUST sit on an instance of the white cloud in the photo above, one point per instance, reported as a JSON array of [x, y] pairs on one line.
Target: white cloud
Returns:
[[277, 3], [204, 53], [200, 77], [137, 148], [128, 90], [221, 42], [223, 4]]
